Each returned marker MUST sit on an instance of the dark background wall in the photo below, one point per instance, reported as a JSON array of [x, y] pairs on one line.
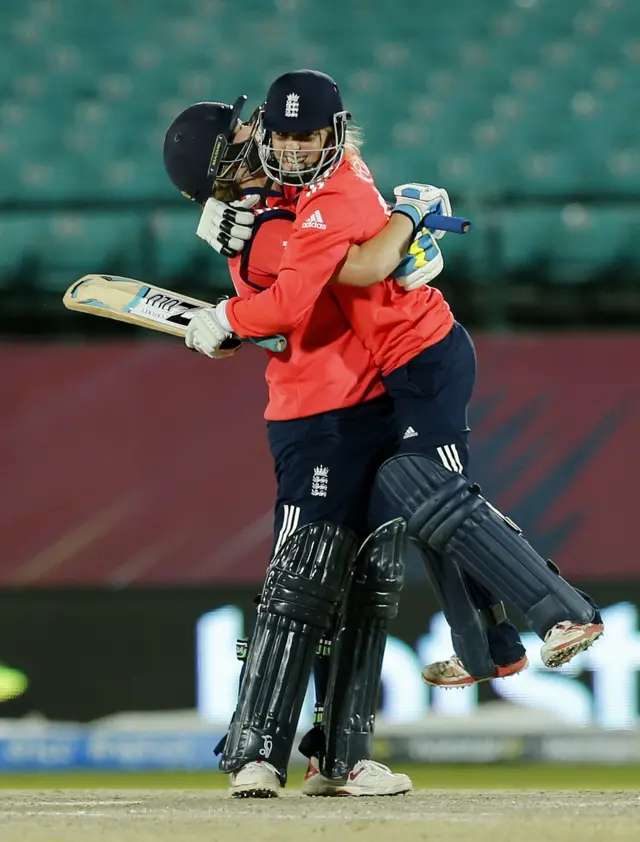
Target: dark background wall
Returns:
[[110, 476]]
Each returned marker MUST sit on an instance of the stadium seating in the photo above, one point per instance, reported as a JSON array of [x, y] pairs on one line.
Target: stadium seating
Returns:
[[522, 97]]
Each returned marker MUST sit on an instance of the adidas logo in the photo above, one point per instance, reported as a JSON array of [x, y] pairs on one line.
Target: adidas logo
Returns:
[[315, 221], [409, 433]]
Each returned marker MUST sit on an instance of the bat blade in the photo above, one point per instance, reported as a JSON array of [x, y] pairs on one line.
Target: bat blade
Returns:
[[146, 305], [129, 300]]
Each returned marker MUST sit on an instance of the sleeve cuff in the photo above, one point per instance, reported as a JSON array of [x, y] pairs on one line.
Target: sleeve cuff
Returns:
[[221, 315], [411, 212]]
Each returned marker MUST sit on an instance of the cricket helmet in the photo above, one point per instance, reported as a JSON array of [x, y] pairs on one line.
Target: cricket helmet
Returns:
[[302, 101], [199, 148]]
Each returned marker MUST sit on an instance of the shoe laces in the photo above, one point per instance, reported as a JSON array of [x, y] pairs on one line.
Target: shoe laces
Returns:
[[375, 765]]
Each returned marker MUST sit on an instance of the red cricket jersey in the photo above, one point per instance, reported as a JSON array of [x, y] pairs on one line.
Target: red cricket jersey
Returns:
[[347, 209], [322, 341]]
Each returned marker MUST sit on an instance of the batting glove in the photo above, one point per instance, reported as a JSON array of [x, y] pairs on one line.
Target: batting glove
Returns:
[[207, 330], [422, 263], [418, 200], [227, 228]]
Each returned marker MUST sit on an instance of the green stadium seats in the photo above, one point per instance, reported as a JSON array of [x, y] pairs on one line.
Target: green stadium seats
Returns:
[[177, 244], [77, 244], [179, 252], [623, 169], [20, 235], [571, 245], [535, 97]]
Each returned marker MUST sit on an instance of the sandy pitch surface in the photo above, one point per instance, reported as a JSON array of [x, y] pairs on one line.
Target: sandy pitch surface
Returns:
[[197, 815]]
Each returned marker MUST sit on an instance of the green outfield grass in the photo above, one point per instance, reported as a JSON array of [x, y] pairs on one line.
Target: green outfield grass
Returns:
[[424, 777]]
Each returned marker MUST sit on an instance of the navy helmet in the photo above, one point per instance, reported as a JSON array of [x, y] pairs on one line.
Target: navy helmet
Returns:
[[199, 148], [301, 102]]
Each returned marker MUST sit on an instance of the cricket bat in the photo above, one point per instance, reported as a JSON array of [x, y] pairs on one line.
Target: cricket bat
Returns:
[[128, 300]]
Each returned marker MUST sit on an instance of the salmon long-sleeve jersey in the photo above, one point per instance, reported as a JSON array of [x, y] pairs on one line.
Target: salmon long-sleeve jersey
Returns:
[[325, 366], [346, 209]]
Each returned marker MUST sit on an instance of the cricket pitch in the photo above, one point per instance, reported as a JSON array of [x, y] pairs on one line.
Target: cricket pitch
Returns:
[[198, 815]]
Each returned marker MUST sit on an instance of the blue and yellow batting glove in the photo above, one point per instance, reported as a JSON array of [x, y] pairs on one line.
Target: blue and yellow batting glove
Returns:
[[417, 201], [421, 264]]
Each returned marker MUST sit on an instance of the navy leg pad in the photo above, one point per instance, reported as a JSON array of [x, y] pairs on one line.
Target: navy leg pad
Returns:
[[468, 631], [447, 514], [356, 663], [301, 598]]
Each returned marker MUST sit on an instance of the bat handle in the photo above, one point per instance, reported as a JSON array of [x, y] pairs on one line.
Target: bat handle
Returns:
[[455, 224], [276, 343]]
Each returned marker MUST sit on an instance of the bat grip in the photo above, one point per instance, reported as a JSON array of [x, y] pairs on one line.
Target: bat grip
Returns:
[[438, 222], [276, 343]]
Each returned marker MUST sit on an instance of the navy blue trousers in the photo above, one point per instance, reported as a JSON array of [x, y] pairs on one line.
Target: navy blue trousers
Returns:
[[326, 465]]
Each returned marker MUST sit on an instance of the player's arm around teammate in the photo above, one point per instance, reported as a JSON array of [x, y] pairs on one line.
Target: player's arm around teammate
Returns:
[[331, 215]]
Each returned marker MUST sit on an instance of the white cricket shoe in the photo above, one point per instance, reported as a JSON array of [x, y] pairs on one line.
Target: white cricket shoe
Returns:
[[366, 778], [566, 640], [315, 782], [452, 673], [255, 780]]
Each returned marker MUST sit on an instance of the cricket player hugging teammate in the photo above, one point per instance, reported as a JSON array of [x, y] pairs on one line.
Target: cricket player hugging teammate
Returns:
[[367, 426]]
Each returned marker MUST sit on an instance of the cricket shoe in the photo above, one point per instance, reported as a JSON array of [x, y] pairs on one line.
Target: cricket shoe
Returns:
[[452, 673], [255, 780], [366, 778], [566, 640]]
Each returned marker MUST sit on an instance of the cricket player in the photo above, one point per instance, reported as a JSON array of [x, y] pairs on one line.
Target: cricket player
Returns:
[[254, 271], [426, 359]]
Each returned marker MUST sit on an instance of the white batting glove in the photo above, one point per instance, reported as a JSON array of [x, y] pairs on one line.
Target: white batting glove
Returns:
[[418, 200], [226, 228], [422, 263], [207, 330]]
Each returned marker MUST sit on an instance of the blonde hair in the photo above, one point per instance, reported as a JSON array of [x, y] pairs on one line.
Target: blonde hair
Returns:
[[353, 142]]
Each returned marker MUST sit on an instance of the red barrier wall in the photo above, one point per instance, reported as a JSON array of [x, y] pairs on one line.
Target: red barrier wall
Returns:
[[139, 462]]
